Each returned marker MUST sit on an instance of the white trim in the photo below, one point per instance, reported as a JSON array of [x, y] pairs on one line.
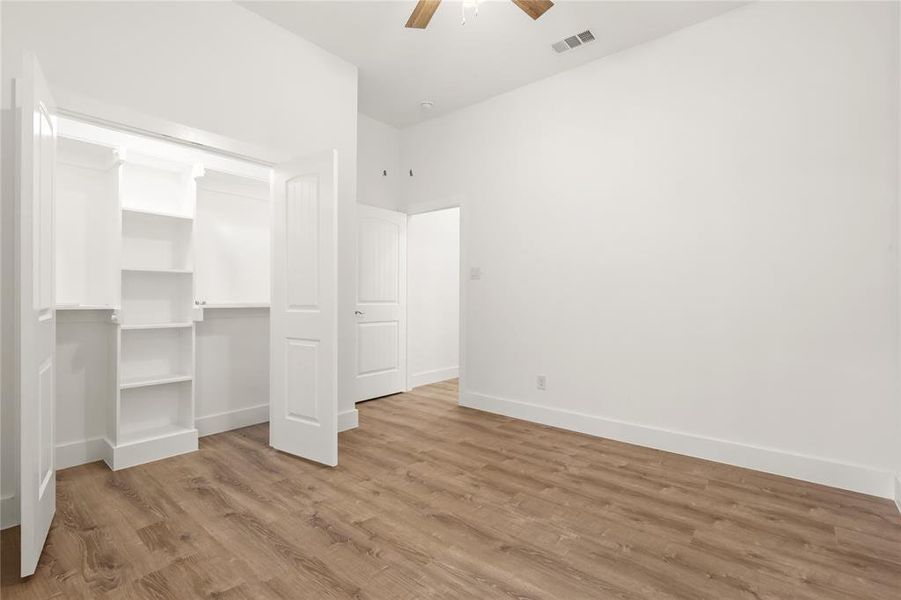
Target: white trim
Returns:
[[434, 376], [232, 419], [349, 419], [81, 452], [898, 492], [77, 106], [9, 511], [433, 205], [456, 201], [160, 447], [858, 478]]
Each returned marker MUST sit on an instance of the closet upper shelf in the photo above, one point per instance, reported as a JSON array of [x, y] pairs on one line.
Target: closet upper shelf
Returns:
[[85, 155], [157, 270], [157, 213], [85, 307], [177, 325]]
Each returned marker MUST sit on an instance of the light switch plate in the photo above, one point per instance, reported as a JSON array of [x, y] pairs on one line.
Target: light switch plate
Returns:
[[475, 273]]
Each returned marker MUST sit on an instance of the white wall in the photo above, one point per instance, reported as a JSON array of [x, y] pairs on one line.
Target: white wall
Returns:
[[209, 65], [231, 369], [378, 151], [85, 375], [695, 240], [433, 296]]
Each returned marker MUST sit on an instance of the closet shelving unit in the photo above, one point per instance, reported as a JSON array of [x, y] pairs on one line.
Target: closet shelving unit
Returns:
[[155, 363], [147, 241]]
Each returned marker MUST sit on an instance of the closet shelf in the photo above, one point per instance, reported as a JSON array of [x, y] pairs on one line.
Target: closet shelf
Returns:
[[154, 213], [157, 325], [234, 305], [149, 381], [152, 434], [155, 270], [85, 307]]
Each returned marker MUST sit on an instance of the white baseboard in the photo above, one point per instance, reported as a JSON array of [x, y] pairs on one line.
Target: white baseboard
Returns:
[[132, 454], [9, 511], [426, 377], [349, 419], [847, 476], [898, 492], [80, 453], [233, 419]]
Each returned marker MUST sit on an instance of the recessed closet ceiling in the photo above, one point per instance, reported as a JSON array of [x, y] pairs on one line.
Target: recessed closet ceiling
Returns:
[[454, 65]]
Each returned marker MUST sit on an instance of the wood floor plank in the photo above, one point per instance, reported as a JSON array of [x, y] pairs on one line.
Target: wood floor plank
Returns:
[[434, 501]]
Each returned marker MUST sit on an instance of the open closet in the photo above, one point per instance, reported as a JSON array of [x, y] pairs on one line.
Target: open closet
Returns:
[[168, 285], [162, 296]]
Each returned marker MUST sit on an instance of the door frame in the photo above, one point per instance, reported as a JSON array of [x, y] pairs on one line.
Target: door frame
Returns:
[[435, 206], [77, 106]]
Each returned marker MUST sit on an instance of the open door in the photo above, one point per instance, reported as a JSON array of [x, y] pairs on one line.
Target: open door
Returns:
[[37, 324], [380, 315], [303, 407]]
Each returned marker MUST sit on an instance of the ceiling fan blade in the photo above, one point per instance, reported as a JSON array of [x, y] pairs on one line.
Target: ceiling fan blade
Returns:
[[422, 14], [534, 8]]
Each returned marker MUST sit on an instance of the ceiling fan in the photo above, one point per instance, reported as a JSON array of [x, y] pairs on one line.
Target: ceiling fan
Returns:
[[422, 14]]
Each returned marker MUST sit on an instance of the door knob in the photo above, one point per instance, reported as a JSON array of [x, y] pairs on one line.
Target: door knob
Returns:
[[356, 312]]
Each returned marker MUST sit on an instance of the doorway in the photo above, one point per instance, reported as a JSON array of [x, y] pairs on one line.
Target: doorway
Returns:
[[433, 297]]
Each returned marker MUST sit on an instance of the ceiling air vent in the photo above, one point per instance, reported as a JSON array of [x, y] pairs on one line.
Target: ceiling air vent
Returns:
[[573, 41]]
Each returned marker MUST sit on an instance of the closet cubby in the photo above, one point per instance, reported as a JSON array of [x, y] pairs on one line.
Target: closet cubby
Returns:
[[156, 242], [153, 413], [232, 240], [156, 298], [87, 205], [158, 186], [156, 357], [154, 422]]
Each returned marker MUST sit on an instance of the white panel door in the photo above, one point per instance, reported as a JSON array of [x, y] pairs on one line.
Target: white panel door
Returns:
[[381, 308], [303, 407], [37, 325]]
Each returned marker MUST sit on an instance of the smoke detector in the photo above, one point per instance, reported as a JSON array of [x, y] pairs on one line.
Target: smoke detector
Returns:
[[426, 104]]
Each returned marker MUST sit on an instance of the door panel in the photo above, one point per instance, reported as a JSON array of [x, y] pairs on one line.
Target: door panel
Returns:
[[37, 323], [302, 242], [378, 344], [303, 417], [377, 270], [301, 358], [380, 315]]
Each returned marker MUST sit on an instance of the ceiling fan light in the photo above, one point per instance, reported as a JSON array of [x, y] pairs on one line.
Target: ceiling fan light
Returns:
[[469, 4]]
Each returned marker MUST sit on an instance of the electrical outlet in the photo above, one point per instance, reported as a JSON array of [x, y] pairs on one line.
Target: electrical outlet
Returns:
[[541, 382], [475, 273]]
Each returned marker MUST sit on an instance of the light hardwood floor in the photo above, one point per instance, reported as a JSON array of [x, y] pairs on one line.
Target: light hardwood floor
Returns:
[[436, 501]]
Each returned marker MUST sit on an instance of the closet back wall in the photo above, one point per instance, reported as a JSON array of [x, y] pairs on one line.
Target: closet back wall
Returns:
[[227, 398], [210, 65]]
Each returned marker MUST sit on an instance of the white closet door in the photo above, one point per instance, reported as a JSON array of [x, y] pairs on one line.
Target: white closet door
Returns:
[[381, 307], [303, 407], [37, 325]]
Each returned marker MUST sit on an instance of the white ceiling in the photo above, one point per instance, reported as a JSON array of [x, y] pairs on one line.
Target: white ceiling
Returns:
[[456, 65]]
